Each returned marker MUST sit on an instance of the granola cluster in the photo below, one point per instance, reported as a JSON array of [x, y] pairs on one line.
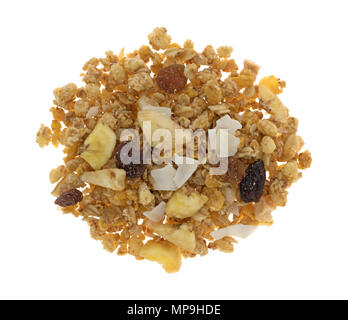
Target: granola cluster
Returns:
[[126, 207]]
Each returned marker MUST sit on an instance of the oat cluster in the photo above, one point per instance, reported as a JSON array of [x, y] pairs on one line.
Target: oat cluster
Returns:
[[199, 88]]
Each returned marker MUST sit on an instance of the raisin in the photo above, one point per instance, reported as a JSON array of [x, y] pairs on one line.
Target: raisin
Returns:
[[251, 186], [133, 170], [172, 78], [69, 198]]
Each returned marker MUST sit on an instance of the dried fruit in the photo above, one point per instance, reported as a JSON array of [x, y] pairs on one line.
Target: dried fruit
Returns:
[[99, 146], [184, 204], [251, 187], [163, 252], [69, 198], [238, 230], [181, 236], [133, 170], [172, 78], [158, 121], [108, 178], [69, 182]]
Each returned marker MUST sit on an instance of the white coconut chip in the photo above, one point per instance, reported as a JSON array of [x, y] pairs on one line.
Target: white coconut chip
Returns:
[[226, 122], [238, 230], [169, 179], [226, 144], [233, 143], [178, 160], [186, 168], [164, 178], [157, 213], [224, 138], [184, 173]]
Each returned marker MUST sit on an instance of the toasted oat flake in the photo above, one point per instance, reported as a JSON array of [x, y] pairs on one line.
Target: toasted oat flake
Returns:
[[166, 111], [92, 112]]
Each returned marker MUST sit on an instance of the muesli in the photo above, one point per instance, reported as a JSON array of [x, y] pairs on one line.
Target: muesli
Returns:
[[168, 202]]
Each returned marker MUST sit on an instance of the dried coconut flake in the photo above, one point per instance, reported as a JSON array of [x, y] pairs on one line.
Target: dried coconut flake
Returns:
[[186, 168], [226, 122], [164, 178], [169, 179], [157, 213], [239, 230]]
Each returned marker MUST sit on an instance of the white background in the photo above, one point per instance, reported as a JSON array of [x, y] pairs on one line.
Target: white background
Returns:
[[44, 254]]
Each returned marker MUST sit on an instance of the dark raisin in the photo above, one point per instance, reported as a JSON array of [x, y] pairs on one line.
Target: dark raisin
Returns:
[[69, 198], [172, 78], [133, 170], [251, 186]]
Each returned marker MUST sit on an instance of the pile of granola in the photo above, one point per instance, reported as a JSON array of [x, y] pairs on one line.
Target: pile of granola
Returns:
[[165, 212]]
